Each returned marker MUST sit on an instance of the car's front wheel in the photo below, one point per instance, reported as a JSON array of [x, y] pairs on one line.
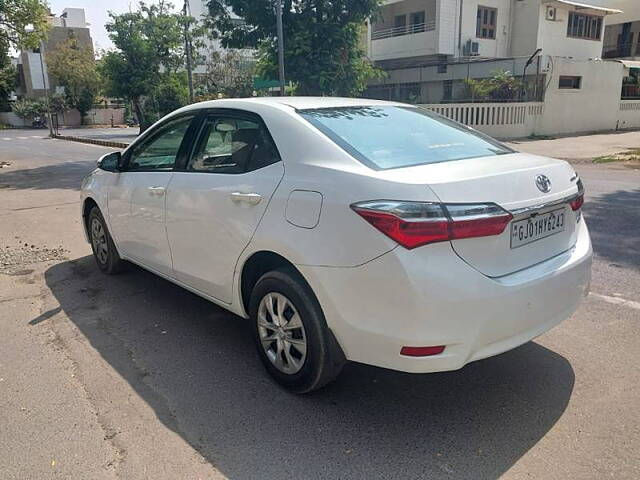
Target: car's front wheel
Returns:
[[104, 250], [293, 340]]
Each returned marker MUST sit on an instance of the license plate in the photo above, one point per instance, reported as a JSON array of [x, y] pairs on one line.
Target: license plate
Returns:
[[537, 227]]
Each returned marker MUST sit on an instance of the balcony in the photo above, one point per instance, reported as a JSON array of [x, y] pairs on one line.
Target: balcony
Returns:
[[413, 40], [403, 30]]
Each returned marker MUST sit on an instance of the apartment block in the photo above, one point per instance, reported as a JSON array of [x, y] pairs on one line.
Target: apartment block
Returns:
[[429, 47]]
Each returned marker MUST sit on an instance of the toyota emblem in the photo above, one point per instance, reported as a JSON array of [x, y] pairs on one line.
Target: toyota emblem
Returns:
[[543, 183]]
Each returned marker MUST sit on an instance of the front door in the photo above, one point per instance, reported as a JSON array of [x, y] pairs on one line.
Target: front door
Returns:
[[137, 199], [215, 204]]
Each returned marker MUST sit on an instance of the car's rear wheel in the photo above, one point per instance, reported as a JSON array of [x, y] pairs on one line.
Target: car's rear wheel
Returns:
[[104, 250], [292, 337]]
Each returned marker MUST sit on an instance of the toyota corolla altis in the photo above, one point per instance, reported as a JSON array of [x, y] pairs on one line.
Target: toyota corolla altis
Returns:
[[347, 230]]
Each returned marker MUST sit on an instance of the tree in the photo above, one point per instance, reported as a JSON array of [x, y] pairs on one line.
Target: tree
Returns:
[[228, 74], [15, 17], [322, 40], [8, 81], [149, 48], [74, 68]]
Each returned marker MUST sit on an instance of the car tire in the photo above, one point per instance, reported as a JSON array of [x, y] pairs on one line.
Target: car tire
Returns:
[[279, 341], [104, 250]]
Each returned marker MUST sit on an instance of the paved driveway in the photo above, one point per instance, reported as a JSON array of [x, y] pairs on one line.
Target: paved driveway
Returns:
[[132, 377]]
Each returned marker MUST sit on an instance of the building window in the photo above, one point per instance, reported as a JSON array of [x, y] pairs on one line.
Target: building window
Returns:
[[570, 82], [486, 22], [399, 25], [442, 68], [584, 26], [416, 22]]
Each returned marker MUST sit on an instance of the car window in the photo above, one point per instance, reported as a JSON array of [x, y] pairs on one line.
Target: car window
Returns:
[[159, 152], [385, 137], [231, 145]]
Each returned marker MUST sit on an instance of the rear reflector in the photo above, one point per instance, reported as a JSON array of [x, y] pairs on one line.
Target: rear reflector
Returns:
[[413, 224], [421, 351]]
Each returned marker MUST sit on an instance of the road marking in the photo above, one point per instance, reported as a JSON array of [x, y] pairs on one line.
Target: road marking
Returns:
[[35, 136], [5, 138], [22, 138], [617, 301]]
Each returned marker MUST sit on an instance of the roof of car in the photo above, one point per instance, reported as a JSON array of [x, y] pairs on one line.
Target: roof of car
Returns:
[[299, 103]]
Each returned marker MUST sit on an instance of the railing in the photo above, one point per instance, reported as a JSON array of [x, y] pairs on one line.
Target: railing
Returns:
[[403, 30], [501, 120], [621, 50]]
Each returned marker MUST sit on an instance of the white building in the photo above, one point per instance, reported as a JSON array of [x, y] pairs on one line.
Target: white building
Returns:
[[198, 9], [622, 34], [430, 48], [430, 29]]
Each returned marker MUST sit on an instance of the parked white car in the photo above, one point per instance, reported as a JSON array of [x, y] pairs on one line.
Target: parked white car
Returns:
[[347, 230]]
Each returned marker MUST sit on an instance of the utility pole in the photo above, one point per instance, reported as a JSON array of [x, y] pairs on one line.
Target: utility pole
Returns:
[[187, 48], [280, 45], [46, 90]]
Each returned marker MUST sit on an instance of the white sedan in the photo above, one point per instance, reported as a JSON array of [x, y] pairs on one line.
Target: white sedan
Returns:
[[347, 230]]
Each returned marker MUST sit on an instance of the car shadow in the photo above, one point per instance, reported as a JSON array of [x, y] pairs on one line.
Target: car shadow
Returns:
[[614, 220], [64, 175], [195, 365]]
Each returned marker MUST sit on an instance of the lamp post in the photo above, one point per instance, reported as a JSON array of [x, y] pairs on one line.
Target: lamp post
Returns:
[[280, 45]]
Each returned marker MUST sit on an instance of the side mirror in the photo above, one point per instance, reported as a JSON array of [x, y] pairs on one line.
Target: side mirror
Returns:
[[111, 162]]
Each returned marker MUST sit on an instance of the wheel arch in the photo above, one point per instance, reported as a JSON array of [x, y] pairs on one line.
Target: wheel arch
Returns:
[[256, 265], [87, 206]]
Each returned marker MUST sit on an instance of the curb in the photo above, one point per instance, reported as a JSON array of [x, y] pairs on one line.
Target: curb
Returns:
[[93, 141]]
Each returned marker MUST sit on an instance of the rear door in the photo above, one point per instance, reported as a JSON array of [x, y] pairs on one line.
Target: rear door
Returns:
[[214, 204], [137, 199]]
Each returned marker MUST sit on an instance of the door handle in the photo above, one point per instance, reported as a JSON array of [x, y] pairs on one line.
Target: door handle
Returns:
[[250, 198], [159, 191]]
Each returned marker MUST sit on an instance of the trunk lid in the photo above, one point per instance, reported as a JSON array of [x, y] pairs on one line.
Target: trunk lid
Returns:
[[510, 182]]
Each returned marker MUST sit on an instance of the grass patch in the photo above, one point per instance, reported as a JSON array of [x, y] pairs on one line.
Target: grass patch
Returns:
[[630, 156]]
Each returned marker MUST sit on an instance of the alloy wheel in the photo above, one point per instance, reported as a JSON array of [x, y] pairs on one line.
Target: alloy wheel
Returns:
[[282, 333], [99, 241]]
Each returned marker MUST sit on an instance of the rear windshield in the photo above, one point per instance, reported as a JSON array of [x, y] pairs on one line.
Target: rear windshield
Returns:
[[385, 137]]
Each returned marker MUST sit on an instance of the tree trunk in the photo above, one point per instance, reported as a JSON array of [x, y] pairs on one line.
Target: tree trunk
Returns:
[[139, 114]]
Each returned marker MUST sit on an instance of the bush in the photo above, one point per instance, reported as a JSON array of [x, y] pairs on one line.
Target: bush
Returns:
[[29, 109]]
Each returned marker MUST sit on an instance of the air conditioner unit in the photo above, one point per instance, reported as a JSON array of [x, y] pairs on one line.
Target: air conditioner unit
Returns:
[[471, 49], [552, 14]]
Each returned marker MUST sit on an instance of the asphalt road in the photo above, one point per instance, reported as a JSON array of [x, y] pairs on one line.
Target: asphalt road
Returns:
[[132, 377]]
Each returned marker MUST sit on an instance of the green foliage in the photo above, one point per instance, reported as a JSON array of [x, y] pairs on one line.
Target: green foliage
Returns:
[[149, 46], [28, 109], [58, 104], [170, 94], [228, 74], [323, 45], [15, 16], [74, 68], [502, 85], [8, 81]]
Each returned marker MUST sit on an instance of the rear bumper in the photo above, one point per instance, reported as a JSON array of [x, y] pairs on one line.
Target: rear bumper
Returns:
[[435, 298]]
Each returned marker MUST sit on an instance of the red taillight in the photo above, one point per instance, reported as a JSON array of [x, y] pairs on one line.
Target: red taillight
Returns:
[[413, 224], [421, 351], [576, 204]]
